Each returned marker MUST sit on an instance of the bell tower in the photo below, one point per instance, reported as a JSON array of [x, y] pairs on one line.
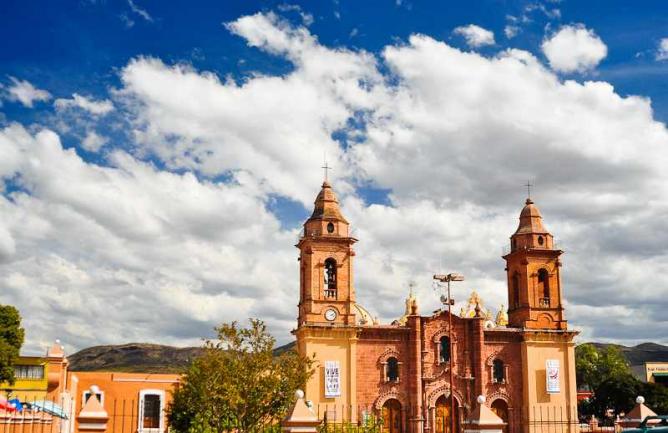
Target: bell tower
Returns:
[[533, 270], [326, 294]]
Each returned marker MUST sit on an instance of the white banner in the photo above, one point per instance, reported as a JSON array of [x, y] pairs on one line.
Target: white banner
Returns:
[[332, 379], [552, 376]]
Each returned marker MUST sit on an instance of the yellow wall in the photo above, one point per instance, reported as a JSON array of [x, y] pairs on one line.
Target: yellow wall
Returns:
[[655, 367], [331, 344], [28, 389], [539, 404]]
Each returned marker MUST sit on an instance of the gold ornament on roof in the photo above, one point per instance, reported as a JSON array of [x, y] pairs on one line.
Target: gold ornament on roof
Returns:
[[502, 317], [475, 308], [411, 308]]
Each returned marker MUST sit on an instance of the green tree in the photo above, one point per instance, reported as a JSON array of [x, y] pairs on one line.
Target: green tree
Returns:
[[237, 383], [607, 374], [594, 366], [11, 340]]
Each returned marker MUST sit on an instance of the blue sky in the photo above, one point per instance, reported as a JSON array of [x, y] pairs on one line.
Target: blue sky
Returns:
[[433, 114]]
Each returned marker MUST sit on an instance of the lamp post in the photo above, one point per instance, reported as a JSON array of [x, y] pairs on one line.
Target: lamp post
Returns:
[[446, 279]]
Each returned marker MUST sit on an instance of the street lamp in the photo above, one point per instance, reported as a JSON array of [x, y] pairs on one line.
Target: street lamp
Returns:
[[446, 279]]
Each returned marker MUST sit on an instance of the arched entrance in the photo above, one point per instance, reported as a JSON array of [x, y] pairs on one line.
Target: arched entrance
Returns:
[[500, 408], [442, 423], [392, 416]]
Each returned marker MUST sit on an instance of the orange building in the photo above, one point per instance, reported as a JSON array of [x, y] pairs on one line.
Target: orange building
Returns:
[[131, 402], [522, 362]]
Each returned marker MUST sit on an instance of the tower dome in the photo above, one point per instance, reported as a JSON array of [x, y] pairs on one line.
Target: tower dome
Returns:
[[531, 220]]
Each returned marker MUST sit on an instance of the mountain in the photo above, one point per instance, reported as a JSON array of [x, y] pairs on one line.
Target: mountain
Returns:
[[140, 358], [155, 358], [644, 352]]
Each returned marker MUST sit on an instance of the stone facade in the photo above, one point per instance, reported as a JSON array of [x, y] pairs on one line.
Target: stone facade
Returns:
[[401, 371]]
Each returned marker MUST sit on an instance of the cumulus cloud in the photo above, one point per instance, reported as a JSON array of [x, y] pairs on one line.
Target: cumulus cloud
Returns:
[[451, 135], [574, 48], [272, 128], [24, 92], [178, 252], [85, 103], [475, 36], [662, 50]]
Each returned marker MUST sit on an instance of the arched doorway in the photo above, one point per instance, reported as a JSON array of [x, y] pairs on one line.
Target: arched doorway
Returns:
[[500, 408], [442, 418], [392, 416]]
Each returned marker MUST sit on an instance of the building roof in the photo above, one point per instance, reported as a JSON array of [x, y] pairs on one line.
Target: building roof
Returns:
[[531, 220], [327, 205]]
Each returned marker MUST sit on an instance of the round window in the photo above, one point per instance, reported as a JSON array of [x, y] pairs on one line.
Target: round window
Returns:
[[540, 240], [330, 228]]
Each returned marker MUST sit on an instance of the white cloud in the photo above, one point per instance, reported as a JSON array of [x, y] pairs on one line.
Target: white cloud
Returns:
[[511, 31], [475, 36], [93, 142], [191, 119], [139, 11], [662, 50], [84, 236], [574, 48], [453, 135], [85, 103], [24, 92]]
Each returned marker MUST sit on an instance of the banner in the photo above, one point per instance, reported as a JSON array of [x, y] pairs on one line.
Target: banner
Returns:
[[552, 375], [332, 379]]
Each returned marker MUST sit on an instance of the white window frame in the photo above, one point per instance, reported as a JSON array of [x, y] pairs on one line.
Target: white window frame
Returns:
[[140, 421], [83, 397]]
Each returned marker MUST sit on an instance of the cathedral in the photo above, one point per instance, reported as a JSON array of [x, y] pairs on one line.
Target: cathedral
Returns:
[[521, 361]]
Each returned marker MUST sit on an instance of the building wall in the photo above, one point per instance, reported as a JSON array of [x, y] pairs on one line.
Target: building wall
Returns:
[[121, 395], [537, 348], [331, 344], [374, 347], [654, 367]]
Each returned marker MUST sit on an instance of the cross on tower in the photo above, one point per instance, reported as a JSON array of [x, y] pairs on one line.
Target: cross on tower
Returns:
[[326, 167], [528, 185]]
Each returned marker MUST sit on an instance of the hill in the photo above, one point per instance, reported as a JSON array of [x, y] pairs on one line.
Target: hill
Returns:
[[140, 358], [155, 358], [644, 352]]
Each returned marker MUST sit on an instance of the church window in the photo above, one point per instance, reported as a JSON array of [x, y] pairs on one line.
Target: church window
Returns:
[[544, 287], [540, 240], [392, 370], [330, 228], [498, 371], [444, 349], [516, 290], [330, 278]]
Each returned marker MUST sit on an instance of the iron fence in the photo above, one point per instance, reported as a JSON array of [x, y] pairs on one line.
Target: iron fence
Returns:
[[126, 416]]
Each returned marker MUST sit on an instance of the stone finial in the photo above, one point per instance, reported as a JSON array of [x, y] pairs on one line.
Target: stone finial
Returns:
[[300, 417], [56, 350], [482, 419], [637, 414], [93, 417]]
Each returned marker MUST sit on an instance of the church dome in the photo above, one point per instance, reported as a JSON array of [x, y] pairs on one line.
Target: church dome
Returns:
[[363, 315], [327, 205], [531, 220]]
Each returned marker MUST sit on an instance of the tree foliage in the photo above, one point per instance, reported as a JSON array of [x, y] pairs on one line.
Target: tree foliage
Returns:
[[594, 366], [607, 374], [237, 383], [11, 340]]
